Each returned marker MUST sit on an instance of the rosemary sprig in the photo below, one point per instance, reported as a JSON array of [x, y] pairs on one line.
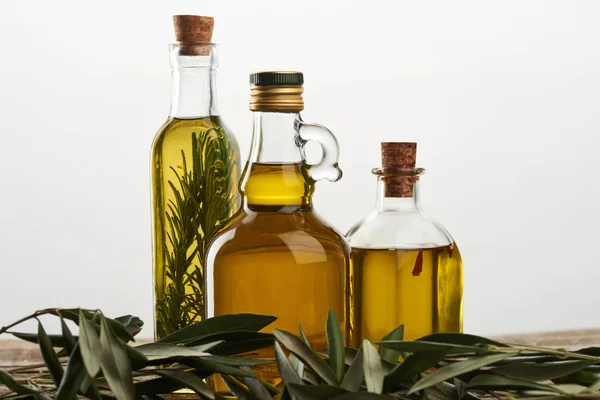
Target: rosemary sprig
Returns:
[[204, 198]]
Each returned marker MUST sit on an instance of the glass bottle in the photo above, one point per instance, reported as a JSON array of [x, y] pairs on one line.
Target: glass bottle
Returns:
[[195, 174], [279, 257], [406, 268]]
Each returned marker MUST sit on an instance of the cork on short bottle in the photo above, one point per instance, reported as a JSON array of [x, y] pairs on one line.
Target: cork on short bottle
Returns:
[[192, 31], [398, 155]]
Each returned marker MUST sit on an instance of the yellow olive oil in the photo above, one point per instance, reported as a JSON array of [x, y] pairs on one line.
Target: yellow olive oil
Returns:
[[195, 174], [420, 288], [279, 258]]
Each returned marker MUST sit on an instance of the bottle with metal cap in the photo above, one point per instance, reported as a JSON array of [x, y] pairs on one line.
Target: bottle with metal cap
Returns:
[[278, 257]]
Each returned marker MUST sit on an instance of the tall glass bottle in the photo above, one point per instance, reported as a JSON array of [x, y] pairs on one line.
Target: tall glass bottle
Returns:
[[406, 268], [195, 173], [279, 257]]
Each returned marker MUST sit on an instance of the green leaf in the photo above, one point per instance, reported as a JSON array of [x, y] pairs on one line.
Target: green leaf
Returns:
[[590, 351], [594, 387], [461, 387], [133, 324], [390, 355], [256, 386], [442, 391], [188, 380], [73, 376], [156, 386], [335, 344], [115, 363], [138, 360], [238, 361], [73, 315], [456, 369], [374, 374], [298, 366], [223, 323], [364, 396], [68, 339], [13, 385], [286, 369], [205, 347], [303, 336], [305, 353], [419, 345], [203, 364], [164, 351], [355, 376], [230, 336], [320, 392], [245, 346], [542, 372], [497, 382], [463, 339], [567, 389], [50, 358], [55, 340], [238, 390], [89, 343], [415, 364]]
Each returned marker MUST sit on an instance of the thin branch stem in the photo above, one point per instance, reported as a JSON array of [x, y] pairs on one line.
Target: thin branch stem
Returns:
[[555, 352], [31, 316]]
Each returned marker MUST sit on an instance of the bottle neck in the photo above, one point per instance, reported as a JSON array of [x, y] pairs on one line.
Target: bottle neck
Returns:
[[193, 92], [389, 203], [275, 175]]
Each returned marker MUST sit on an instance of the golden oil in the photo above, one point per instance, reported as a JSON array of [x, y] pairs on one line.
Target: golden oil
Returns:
[[420, 288], [279, 258], [195, 174]]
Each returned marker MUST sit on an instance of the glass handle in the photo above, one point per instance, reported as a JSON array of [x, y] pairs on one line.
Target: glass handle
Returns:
[[327, 167]]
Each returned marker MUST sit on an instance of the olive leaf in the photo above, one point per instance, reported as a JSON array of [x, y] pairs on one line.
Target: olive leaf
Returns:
[[374, 374], [305, 353], [355, 375], [189, 380], [456, 369], [13, 385], [220, 324], [89, 343], [335, 345], [50, 358], [115, 363], [542, 371], [388, 354]]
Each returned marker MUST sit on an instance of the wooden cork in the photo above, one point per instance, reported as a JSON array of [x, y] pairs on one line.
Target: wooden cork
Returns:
[[398, 155], [191, 31]]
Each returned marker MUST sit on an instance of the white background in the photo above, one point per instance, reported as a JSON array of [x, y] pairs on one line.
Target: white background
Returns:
[[503, 98]]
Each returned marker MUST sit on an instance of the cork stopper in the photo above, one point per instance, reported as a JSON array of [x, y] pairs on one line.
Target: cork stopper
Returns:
[[190, 30], [399, 155]]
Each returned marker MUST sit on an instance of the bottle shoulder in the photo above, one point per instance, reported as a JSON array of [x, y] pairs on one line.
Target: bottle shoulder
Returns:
[[398, 229], [251, 231], [174, 130]]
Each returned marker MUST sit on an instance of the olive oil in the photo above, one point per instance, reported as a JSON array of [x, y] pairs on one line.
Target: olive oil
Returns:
[[420, 288], [279, 258], [195, 173]]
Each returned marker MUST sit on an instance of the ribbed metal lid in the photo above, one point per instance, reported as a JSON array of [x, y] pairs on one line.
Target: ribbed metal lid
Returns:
[[276, 78]]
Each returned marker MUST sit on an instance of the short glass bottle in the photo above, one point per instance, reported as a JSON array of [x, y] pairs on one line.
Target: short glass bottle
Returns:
[[406, 268], [278, 257]]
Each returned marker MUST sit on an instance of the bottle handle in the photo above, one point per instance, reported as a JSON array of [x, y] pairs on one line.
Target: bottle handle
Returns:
[[327, 167]]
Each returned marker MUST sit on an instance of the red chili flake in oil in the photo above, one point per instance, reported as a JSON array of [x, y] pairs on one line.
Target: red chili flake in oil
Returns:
[[418, 264]]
